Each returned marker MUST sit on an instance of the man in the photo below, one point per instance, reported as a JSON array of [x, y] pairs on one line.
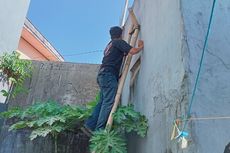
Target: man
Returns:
[[108, 77]]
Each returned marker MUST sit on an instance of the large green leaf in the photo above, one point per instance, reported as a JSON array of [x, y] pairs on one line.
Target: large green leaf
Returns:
[[142, 126], [50, 120], [13, 112], [107, 141], [126, 118], [18, 125], [43, 132], [5, 93]]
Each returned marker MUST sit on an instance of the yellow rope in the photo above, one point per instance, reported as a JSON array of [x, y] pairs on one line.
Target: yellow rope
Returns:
[[210, 118], [204, 118]]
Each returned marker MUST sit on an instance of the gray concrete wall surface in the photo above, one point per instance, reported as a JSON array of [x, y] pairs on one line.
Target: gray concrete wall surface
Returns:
[[3, 107], [66, 83], [173, 33], [12, 18], [160, 90], [212, 98], [19, 142]]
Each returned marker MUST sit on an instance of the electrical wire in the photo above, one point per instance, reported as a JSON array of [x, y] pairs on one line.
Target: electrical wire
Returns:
[[68, 55]]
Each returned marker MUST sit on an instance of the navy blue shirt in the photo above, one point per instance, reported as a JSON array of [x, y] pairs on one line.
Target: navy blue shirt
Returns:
[[113, 55]]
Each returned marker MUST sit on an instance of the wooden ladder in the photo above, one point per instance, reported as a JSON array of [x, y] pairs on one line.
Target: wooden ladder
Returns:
[[133, 34], [132, 39]]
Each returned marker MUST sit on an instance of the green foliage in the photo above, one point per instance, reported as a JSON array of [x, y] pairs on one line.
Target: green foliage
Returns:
[[18, 125], [50, 118], [42, 132], [14, 70], [47, 118], [125, 120], [107, 141], [5, 93], [13, 112], [91, 105]]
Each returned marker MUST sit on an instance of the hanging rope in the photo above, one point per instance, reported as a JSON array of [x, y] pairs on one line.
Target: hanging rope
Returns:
[[201, 62]]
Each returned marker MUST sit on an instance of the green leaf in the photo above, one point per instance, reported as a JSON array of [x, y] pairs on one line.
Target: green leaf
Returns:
[[126, 118], [43, 132], [58, 128], [18, 125], [50, 120], [142, 126], [13, 112], [107, 141], [92, 104], [32, 124], [5, 93]]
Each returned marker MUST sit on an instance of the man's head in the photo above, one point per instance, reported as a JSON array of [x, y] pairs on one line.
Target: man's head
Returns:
[[115, 32]]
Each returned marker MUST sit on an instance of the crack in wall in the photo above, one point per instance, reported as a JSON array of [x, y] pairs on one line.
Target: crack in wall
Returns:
[[219, 58]]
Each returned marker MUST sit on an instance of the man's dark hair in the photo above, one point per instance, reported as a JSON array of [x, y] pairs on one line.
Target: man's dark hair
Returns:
[[115, 32]]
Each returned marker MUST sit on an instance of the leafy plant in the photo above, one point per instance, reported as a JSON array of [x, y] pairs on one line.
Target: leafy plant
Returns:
[[107, 141], [126, 120], [47, 118], [51, 118], [14, 70]]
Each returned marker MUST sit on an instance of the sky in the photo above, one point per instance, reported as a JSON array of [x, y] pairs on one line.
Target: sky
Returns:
[[74, 27]]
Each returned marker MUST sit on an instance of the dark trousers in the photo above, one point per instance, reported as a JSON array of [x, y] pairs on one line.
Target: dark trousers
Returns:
[[108, 87]]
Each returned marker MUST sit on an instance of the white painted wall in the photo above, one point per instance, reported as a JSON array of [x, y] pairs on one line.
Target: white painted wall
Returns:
[[159, 89], [173, 33], [12, 17]]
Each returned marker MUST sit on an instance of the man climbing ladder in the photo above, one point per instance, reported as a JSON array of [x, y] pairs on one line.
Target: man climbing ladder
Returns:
[[108, 77]]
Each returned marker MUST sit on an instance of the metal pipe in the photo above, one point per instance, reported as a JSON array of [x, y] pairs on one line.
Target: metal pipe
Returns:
[[124, 13]]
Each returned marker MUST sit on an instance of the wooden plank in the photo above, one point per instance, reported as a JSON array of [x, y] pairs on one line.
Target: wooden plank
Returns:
[[135, 69]]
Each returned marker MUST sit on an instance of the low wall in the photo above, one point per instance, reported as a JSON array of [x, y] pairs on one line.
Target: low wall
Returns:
[[66, 83], [19, 142]]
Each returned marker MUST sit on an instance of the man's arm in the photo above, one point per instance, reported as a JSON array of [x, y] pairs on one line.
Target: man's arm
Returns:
[[138, 49]]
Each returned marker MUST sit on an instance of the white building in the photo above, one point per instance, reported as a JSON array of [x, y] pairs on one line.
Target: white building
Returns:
[[174, 32], [12, 18]]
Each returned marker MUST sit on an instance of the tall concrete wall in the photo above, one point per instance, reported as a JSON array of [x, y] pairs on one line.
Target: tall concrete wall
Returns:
[[12, 18], [173, 33], [66, 83]]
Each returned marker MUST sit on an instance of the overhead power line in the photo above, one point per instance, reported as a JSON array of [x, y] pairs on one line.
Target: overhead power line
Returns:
[[75, 54], [83, 53]]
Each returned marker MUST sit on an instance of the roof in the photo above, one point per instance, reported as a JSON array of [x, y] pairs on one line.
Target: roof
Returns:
[[33, 36]]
